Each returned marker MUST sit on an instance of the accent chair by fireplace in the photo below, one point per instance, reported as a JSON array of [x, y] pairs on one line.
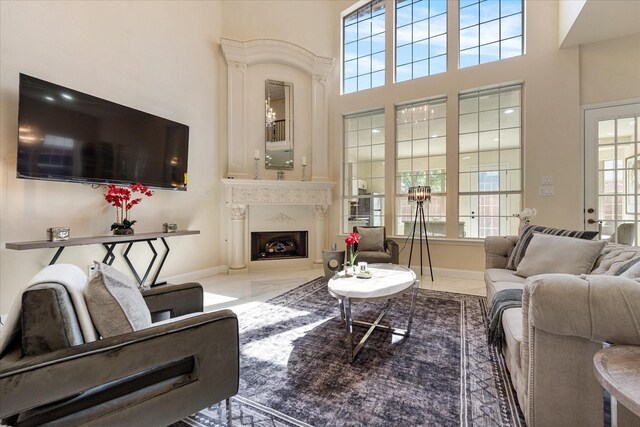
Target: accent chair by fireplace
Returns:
[[374, 247]]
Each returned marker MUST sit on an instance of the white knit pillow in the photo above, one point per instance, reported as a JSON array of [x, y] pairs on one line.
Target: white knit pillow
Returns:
[[557, 254]]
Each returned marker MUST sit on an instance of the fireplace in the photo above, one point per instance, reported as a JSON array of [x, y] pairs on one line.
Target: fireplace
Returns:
[[270, 245]]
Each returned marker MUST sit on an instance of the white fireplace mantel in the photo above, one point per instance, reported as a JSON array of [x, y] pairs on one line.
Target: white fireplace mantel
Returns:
[[262, 192], [242, 193]]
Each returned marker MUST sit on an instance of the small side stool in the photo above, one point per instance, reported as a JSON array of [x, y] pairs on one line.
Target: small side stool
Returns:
[[333, 262]]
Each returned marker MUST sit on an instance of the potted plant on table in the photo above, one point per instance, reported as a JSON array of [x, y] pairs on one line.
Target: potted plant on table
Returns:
[[352, 254], [122, 198]]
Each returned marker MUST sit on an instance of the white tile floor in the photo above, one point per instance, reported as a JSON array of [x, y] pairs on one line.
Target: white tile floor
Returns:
[[246, 290]]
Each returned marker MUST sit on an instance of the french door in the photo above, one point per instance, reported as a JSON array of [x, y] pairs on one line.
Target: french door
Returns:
[[611, 171]]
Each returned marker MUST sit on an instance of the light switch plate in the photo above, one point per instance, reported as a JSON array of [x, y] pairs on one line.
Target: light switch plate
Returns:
[[546, 190], [547, 180]]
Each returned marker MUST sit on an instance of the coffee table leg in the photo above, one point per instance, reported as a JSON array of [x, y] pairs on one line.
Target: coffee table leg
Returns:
[[341, 305], [413, 306], [349, 325]]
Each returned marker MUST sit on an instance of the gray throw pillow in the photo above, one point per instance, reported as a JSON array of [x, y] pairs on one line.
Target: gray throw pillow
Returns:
[[558, 254], [371, 239], [630, 269], [521, 246], [115, 303]]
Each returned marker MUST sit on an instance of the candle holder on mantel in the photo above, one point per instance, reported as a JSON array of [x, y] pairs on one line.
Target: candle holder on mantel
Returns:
[[303, 162], [256, 174]]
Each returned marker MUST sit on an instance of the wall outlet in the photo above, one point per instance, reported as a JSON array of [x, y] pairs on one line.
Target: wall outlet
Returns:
[[546, 190], [547, 180]]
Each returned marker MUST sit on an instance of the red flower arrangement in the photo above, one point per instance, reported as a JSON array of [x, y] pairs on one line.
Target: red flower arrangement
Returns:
[[350, 240], [121, 199]]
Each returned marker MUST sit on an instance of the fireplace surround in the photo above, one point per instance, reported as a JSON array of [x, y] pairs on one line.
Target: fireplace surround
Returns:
[[259, 205]]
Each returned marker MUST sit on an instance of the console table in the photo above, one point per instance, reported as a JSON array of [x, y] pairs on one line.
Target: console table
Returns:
[[109, 243]]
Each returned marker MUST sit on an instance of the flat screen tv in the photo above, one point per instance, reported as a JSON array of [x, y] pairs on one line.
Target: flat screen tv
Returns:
[[66, 135]]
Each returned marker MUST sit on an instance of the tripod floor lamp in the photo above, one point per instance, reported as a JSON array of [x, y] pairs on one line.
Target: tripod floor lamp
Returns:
[[419, 195]]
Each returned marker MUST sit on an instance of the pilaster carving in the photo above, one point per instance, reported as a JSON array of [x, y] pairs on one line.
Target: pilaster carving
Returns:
[[238, 212], [320, 212]]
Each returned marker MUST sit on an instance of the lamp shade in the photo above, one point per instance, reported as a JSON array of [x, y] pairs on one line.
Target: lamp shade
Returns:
[[419, 193]]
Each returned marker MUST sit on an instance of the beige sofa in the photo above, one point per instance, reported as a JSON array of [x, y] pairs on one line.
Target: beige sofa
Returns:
[[550, 342]]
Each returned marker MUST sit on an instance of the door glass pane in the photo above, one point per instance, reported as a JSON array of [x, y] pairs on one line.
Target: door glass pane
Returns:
[[617, 179]]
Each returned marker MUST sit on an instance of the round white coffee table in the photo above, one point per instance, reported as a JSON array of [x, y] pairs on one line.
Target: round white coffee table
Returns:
[[387, 282]]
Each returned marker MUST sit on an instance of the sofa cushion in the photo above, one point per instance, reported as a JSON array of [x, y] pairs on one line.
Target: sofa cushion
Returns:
[[527, 234], [614, 257], [493, 287], [503, 275], [49, 320], [373, 257], [497, 279], [512, 326], [558, 254], [371, 239], [115, 303]]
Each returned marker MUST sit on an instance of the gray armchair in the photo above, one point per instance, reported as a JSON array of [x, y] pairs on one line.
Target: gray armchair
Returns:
[[150, 377], [374, 247]]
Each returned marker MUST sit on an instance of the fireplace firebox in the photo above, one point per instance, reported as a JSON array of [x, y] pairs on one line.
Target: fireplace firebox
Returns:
[[270, 245]]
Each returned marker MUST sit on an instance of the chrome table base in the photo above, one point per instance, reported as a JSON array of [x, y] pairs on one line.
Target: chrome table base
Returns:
[[350, 322]]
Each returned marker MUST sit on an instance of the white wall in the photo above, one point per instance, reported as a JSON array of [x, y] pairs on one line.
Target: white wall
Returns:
[[610, 70], [160, 57]]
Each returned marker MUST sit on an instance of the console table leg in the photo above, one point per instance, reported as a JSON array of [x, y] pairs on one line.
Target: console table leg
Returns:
[[154, 282], [109, 257], [133, 269]]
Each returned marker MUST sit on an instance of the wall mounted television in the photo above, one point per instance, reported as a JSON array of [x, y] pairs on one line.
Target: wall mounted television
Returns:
[[66, 135]]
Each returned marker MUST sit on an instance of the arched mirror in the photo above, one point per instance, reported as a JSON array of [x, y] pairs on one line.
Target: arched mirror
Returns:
[[278, 106]]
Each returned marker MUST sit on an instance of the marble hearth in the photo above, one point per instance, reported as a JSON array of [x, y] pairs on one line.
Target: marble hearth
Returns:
[[267, 205]]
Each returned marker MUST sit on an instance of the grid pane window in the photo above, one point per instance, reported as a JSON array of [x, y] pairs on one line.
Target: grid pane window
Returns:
[[363, 47], [421, 151], [490, 161], [363, 183], [421, 38], [490, 30]]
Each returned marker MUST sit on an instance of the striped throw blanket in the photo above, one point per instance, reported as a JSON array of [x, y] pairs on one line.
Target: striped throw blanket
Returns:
[[502, 300]]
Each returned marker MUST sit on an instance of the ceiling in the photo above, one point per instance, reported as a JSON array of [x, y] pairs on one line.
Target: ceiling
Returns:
[[600, 20]]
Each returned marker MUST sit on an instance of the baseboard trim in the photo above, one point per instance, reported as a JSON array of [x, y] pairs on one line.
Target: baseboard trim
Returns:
[[224, 269], [196, 275], [451, 272]]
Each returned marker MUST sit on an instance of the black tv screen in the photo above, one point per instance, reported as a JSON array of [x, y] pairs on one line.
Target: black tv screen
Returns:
[[67, 135]]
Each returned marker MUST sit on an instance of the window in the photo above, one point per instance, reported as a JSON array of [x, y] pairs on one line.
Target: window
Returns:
[[421, 159], [421, 38], [363, 183], [363, 47], [490, 168], [490, 30]]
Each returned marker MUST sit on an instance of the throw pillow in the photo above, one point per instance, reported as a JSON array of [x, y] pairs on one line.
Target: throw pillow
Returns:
[[115, 303], [630, 269], [521, 246], [558, 254], [371, 239]]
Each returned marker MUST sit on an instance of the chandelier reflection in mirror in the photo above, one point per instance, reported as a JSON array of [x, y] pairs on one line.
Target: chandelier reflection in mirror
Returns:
[[270, 115]]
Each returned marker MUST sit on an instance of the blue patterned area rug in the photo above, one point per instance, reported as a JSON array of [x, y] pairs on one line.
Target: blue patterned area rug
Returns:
[[294, 369]]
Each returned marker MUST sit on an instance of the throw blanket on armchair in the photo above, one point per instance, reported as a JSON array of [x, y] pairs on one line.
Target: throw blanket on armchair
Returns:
[[502, 300]]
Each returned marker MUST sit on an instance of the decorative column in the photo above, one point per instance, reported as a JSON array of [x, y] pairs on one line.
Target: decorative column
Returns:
[[238, 220], [320, 216], [237, 156], [319, 126]]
